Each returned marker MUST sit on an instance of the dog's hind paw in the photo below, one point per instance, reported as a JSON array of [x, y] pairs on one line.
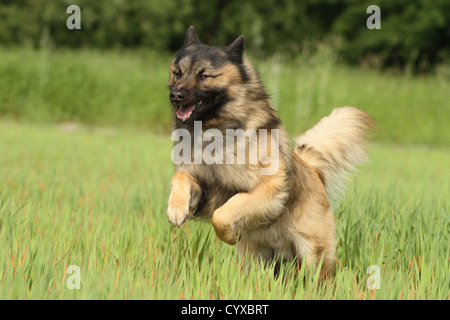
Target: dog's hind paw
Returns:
[[225, 230]]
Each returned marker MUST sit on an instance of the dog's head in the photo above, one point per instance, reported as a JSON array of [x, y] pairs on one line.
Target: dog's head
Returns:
[[202, 77]]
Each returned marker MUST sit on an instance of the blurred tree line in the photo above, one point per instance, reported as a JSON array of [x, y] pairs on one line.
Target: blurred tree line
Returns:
[[414, 33]]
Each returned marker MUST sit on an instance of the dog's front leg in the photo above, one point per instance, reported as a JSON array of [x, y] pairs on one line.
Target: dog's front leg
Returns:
[[184, 197], [260, 206]]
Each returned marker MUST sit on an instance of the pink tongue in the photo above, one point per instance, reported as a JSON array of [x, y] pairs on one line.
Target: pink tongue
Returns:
[[185, 113]]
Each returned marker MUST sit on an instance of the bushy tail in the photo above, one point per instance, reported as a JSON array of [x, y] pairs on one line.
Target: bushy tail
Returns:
[[335, 145]]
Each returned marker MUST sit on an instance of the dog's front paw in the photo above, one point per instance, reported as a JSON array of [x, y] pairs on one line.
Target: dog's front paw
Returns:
[[178, 209], [225, 230]]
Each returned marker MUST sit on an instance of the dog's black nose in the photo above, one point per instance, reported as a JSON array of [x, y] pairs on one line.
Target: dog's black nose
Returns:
[[176, 96]]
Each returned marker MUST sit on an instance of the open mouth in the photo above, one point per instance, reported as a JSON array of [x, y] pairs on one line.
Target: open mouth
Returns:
[[185, 112]]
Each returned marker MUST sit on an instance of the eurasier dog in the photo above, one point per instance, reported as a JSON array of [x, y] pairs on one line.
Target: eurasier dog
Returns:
[[281, 215]]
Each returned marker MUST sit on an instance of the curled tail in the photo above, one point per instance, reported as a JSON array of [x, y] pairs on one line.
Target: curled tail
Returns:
[[335, 145]]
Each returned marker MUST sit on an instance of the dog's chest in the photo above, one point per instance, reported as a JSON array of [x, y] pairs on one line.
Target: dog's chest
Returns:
[[238, 178]]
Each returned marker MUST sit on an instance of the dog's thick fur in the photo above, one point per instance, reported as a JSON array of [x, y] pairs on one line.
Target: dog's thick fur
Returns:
[[283, 216]]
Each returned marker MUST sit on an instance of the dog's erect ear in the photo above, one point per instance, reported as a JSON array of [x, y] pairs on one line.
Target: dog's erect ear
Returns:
[[236, 48], [191, 37]]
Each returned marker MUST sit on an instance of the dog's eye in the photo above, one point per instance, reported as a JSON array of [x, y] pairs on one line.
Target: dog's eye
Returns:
[[203, 76], [177, 74]]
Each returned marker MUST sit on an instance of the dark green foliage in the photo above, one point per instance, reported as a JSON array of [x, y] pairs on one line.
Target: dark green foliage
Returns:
[[415, 34]]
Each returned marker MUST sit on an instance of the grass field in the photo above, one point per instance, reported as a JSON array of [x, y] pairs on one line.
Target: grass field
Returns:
[[94, 195], [96, 198], [115, 88]]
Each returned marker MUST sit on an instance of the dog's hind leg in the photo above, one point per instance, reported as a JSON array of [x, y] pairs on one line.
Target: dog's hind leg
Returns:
[[260, 206]]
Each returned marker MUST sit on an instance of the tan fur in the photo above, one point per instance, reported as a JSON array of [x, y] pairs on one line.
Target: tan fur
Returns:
[[335, 145], [283, 216]]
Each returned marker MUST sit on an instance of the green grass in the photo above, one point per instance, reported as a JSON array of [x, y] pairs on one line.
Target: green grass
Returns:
[[96, 198], [106, 88], [123, 88]]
